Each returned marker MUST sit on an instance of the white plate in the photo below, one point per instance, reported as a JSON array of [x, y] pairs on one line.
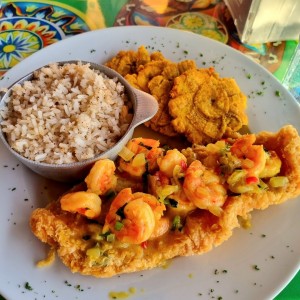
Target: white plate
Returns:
[[272, 244]]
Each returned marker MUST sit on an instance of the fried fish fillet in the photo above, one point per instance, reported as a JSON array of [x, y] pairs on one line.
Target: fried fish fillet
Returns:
[[72, 234], [205, 106]]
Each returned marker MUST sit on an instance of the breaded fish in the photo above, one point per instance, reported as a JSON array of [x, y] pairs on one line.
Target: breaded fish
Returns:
[[73, 235]]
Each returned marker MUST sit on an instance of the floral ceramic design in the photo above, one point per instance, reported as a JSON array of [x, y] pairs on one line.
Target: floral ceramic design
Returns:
[[200, 23], [26, 27]]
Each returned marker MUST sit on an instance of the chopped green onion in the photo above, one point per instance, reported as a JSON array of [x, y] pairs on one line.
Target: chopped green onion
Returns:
[[110, 237], [119, 225], [28, 286], [277, 93], [176, 224]]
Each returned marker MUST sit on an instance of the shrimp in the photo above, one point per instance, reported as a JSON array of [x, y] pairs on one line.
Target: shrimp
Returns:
[[160, 186], [101, 177], [182, 205], [253, 157], [85, 203], [203, 188], [132, 217], [161, 227], [145, 153], [172, 159], [272, 167]]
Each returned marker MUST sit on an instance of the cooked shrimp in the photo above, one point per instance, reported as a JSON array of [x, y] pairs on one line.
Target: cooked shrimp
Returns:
[[160, 186], [272, 167], [253, 157], [85, 203], [101, 177], [144, 155], [203, 188], [161, 227], [172, 159], [133, 217], [183, 204]]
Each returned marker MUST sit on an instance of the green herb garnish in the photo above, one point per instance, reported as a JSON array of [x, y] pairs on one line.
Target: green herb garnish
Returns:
[[67, 283], [28, 286], [110, 237], [119, 225], [176, 224]]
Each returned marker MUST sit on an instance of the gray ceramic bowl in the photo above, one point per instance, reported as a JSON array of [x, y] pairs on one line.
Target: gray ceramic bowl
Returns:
[[144, 108]]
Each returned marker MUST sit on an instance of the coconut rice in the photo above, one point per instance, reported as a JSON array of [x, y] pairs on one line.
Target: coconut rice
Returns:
[[65, 114]]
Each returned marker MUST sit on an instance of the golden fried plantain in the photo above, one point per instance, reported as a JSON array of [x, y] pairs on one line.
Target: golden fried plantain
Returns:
[[127, 62], [194, 102], [154, 74], [205, 106]]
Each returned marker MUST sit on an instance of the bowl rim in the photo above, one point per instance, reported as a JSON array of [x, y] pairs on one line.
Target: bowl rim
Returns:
[[129, 91]]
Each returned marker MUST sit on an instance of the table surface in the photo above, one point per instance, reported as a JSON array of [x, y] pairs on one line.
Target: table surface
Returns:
[[66, 18]]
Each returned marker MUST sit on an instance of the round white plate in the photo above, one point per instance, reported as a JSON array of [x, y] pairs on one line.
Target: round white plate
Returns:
[[253, 264]]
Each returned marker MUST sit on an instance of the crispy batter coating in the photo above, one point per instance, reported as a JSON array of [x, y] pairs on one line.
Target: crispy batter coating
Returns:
[[205, 106], [202, 231]]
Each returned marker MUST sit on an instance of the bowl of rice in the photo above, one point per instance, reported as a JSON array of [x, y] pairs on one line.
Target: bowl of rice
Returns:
[[61, 118]]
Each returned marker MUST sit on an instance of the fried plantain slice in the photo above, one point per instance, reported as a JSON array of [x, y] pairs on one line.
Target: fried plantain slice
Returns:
[[154, 74], [160, 87], [127, 62], [205, 106]]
